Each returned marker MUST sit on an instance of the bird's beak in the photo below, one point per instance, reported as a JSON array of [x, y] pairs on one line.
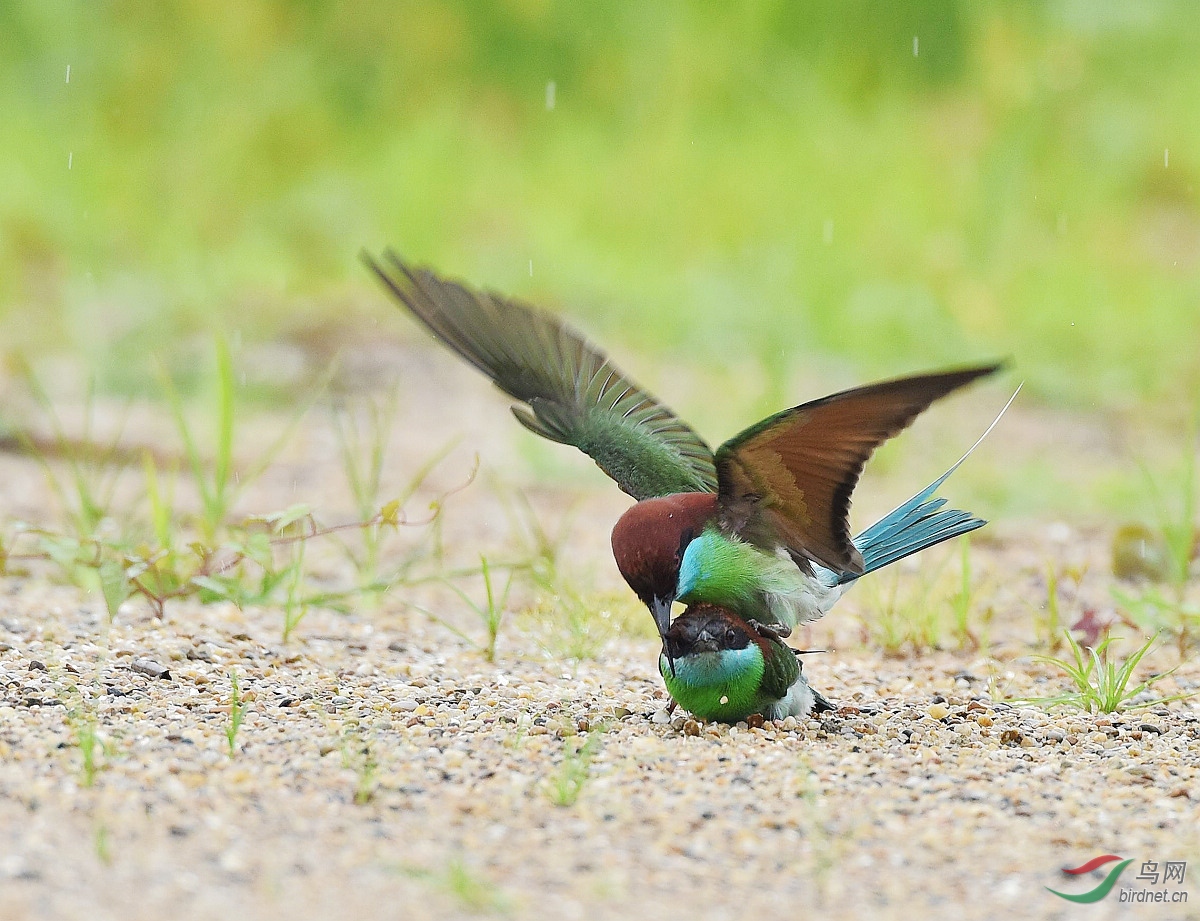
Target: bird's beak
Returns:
[[661, 609], [704, 642]]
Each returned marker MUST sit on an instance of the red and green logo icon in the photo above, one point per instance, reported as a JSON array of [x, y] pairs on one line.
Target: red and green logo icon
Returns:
[[1094, 895]]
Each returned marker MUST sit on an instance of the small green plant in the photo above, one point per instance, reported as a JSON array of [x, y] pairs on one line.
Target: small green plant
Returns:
[[473, 892], [102, 842], [295, 604], [1100, 684], [92, 469], [910, 611], [88, 740], [490, 613], [358, 757], [237, 712], [962, 603], [566, 784], [1171, 550], [1048, 624], [1177, 514], [820, 842], [216, 479]]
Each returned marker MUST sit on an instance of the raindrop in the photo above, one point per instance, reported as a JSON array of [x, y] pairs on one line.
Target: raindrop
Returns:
[[551, 92], [828, 232], [1166, 157], [531, 268], [70, 159], [68, 73], [916, 46]]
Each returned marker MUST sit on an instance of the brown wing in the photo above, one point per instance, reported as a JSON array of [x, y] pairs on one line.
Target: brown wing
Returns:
[[787, 480]]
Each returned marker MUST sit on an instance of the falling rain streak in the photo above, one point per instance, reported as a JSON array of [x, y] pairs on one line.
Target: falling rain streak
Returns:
[[1166, 157], [68, 73], [916, 46], [551, 92]]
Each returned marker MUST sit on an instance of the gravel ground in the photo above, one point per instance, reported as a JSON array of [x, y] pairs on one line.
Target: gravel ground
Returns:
[[919, 797], [384, 769]]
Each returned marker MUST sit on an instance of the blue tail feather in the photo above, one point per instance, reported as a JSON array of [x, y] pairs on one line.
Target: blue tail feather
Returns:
[[916, 524]]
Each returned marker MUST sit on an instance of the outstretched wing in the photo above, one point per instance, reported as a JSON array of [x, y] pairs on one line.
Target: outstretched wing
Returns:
[[787, 480], [572, 393]]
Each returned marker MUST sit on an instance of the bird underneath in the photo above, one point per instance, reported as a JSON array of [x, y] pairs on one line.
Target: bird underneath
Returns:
[[760, 526], [719, 667]]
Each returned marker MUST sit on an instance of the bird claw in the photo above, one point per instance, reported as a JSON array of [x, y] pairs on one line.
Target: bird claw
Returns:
[[771, 631]]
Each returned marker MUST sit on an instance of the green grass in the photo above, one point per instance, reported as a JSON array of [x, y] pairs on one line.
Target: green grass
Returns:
[[1100, 684], [93, 750], [471, 890], [489, 613], [926, 610], [1163, 554], [565, 786], [237, 713], [709, 179]]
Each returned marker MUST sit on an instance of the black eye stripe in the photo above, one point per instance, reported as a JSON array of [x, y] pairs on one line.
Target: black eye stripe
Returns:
[[685, 538]]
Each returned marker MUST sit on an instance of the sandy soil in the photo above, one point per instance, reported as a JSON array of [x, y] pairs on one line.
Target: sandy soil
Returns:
[[384, 769]]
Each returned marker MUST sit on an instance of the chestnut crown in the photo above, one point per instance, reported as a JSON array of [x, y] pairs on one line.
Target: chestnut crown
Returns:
[[649, 539]]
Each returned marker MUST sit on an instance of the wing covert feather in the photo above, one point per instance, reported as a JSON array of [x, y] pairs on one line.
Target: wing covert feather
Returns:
[[787, 481]]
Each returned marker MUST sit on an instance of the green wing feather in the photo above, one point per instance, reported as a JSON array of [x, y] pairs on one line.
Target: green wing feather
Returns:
[[781, 668], [787, 481], [572, 393]]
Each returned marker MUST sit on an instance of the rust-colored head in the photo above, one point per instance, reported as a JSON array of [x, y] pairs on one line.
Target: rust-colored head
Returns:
[[648, 542]]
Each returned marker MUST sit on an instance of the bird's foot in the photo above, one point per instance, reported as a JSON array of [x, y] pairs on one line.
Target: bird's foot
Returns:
[[672, 705], [771, 631]]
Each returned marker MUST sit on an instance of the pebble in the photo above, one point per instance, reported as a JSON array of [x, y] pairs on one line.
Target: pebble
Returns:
[[150, 668]]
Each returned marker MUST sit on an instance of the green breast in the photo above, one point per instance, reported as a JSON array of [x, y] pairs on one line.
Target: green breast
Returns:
[[723, 686]]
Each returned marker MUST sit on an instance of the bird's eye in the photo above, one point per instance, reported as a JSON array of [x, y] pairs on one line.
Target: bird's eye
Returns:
[[730, 636]]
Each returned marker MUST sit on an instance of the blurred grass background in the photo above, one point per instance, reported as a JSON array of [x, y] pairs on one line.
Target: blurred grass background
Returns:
[[873, 185]]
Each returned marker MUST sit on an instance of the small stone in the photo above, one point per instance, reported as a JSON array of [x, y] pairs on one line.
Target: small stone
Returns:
[[661, 717], [1011, 737], [938, 711], [36, 666], [406, 704], [150, 668], [622, 712], [755, 721], [692, 728], [1055, 735]]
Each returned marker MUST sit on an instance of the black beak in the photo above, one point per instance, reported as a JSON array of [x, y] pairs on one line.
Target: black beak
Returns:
[[704, 642], [661, 609]]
